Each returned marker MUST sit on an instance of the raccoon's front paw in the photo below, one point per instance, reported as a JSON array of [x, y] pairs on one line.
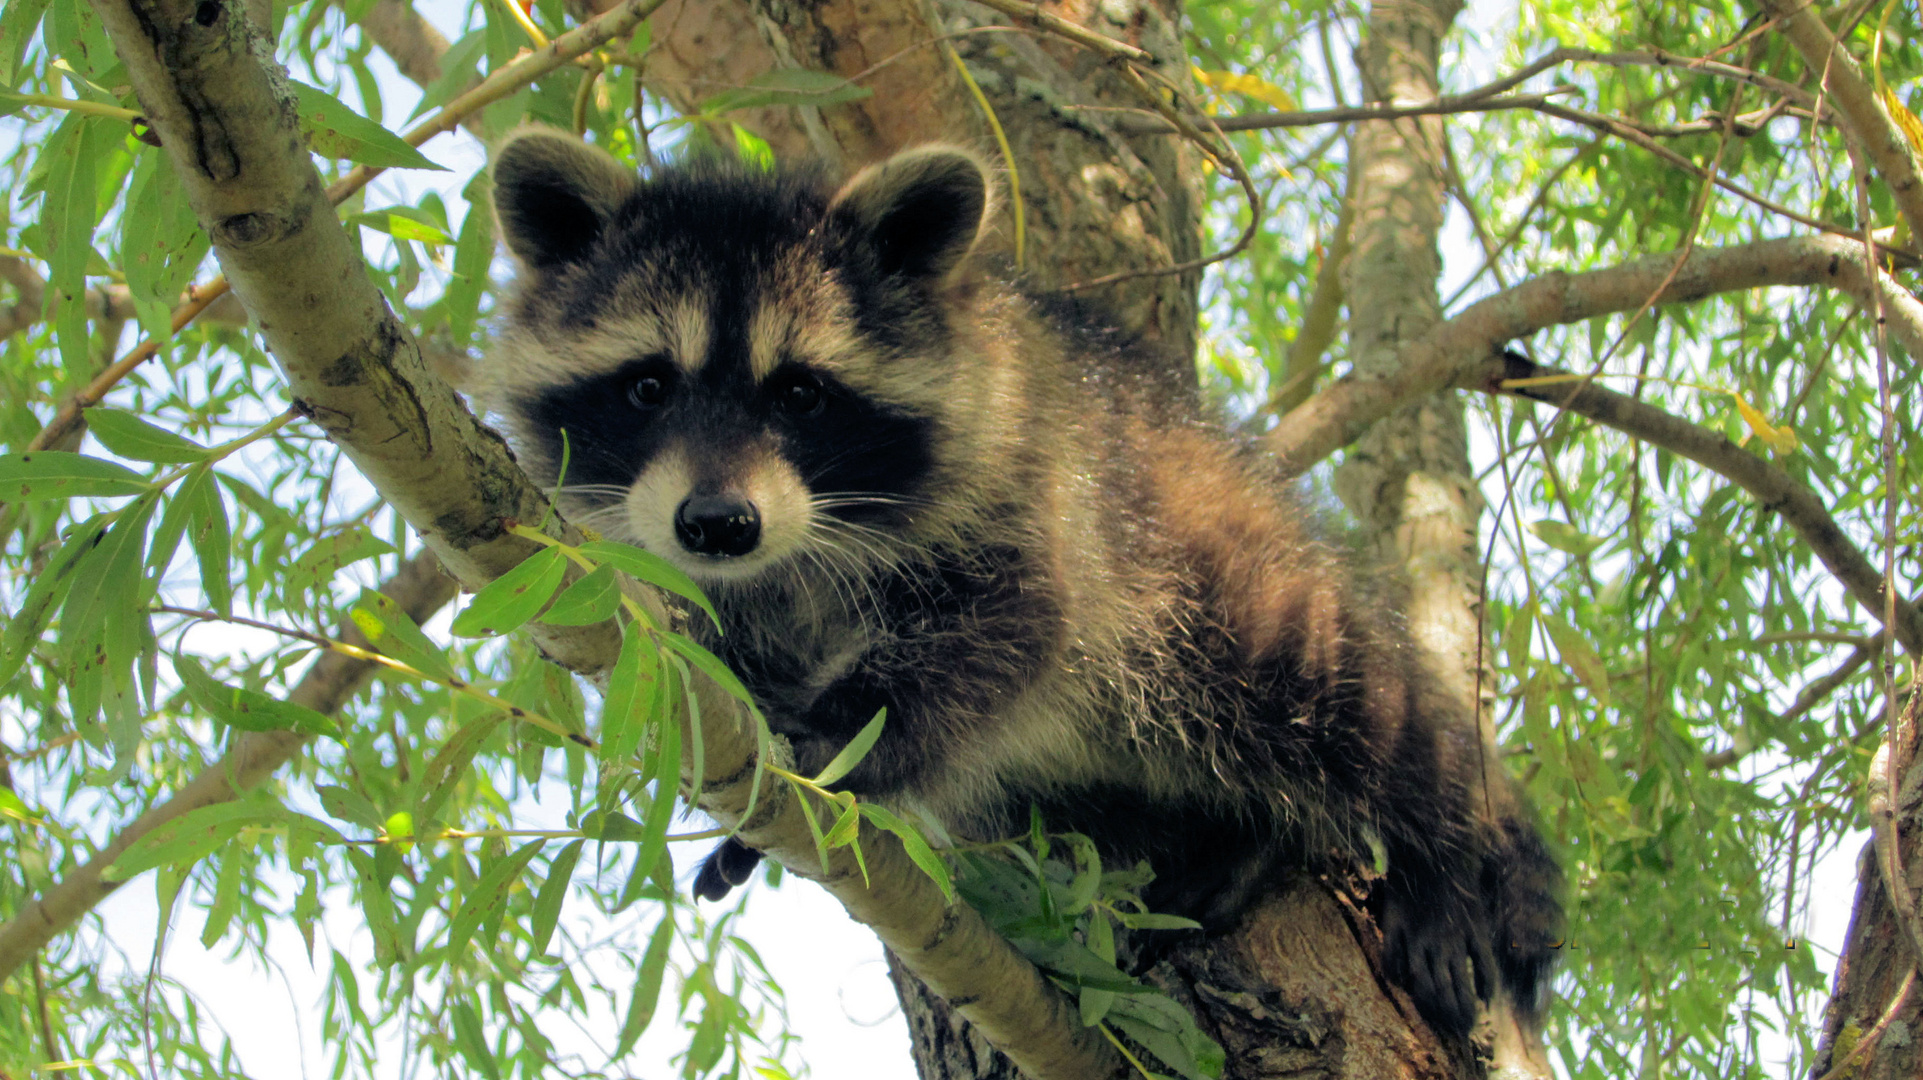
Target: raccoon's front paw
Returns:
[[728, 865], [1438, 954]]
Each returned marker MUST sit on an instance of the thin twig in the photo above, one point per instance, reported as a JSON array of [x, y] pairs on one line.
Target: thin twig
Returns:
[[1055, 24], [1843, 81], [1225, 157], [1147, 125], [1811, 696]]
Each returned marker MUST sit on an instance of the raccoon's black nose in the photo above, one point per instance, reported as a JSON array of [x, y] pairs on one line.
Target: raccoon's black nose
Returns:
[[724, 525]]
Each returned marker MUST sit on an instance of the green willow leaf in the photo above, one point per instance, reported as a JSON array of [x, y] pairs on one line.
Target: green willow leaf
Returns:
[[336, 131], [247, 710], [633, 684], [471, 1037], [394, 633], [59, 474], [347, 804], [547, 904], [647, 987], [451, 763], [226, 902], [651, 568], [917, 848], [514, 597], [857, 749], [131, 437], [595, 597], [786, 86], [19, 21], [69, 213], [197, 832], [46, 595], [488, 896], [213, 541], [161, 245], [710, 665], [1580, 656]]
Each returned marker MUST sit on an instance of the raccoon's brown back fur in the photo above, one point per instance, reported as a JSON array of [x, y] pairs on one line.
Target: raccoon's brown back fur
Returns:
[[905, 484]]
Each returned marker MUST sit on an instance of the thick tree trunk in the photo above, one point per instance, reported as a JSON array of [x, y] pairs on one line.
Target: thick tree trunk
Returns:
[[1870, 1026]]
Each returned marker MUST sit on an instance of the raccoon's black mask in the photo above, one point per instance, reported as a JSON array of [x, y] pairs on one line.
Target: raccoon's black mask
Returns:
[[731, 363], [907, 486]]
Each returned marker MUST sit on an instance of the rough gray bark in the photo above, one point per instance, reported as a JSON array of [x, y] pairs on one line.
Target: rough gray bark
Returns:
[[1872, 1024]]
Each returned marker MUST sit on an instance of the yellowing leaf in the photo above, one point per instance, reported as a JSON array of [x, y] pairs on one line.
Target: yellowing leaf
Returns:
[[1906, 121], [1780, 439], [1235, 82]]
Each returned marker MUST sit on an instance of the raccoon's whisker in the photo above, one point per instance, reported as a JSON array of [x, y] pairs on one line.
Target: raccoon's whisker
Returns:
[[614, 491], [833, 554], [872, 547], [841, 578], [863, 498]]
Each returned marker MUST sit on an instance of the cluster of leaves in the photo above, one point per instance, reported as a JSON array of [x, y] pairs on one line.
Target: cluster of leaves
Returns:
[[1049, 895]]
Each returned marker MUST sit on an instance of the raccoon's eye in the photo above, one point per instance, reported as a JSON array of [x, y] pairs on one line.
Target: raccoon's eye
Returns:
[[648, 392], [802, 396]]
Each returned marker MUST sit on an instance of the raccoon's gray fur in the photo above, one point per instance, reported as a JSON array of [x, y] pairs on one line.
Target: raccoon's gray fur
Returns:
[[904, 483]]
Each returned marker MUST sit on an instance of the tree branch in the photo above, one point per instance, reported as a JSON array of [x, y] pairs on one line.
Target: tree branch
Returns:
[[1843, 80], [1811, 696], [1632, 133], [1459, 347], [408, 39], [1149, 124], [1775, 489], [1458, 352]]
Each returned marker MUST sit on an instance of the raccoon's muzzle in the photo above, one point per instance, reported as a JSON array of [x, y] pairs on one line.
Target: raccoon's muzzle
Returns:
[[726, 525]]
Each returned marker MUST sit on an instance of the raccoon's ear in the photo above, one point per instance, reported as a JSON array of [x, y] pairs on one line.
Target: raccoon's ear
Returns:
[[918, 213], [554, 194]]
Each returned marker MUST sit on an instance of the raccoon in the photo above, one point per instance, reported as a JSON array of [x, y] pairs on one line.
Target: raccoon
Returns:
[[904, 483]]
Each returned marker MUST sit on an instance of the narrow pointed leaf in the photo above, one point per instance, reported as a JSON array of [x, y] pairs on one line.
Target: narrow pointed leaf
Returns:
[[514, 597], [857, 749], [593, 598], [547, 905], [336, 131], [58, 474], [651, 568], [131, 437], [489, 896]]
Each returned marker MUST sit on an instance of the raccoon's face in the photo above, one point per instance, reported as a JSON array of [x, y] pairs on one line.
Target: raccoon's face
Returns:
[[732, 369]]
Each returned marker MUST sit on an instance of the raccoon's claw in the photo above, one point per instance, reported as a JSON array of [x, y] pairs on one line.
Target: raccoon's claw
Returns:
[[1441, 962], [728, 865]]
